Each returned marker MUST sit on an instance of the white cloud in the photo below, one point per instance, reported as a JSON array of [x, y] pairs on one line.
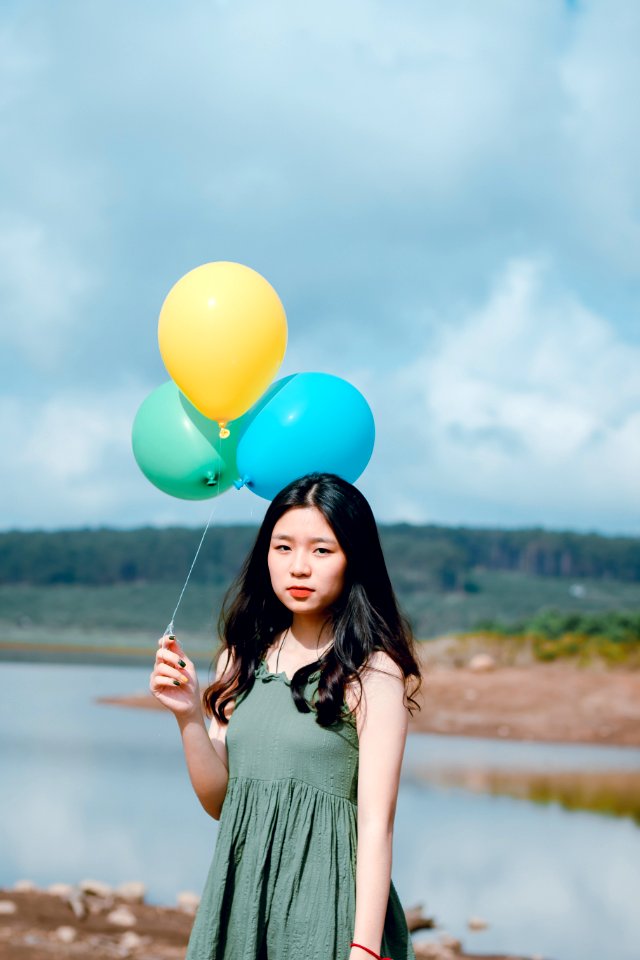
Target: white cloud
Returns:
[[379, 165], [42, 287], [72, 465], [20, 64], [530, 404], [599, 70]]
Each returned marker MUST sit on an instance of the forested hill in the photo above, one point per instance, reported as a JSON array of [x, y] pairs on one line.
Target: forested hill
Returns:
[[419, 557]]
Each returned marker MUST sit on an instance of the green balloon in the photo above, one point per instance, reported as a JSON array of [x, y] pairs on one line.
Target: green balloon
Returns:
[[180, 450]]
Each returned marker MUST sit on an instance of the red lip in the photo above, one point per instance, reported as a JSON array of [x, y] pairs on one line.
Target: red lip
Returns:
[[299, 591]]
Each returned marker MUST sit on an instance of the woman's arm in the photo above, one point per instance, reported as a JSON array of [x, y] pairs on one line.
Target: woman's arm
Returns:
[[382, 729], [205, 752], [207, 772]]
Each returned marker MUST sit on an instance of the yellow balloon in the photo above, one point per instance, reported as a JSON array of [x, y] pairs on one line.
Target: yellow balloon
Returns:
[[222, 334]]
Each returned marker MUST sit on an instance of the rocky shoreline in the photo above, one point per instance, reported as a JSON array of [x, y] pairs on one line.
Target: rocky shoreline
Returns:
[[93, 920]]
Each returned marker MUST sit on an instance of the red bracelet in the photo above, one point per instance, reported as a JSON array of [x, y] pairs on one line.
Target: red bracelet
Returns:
[[353, 944]]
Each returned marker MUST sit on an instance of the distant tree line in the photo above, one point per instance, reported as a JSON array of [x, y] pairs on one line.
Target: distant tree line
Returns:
[[419, 557], [460, 550]]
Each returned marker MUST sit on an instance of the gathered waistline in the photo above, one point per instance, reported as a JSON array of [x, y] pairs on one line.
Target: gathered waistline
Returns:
[[312, 786]]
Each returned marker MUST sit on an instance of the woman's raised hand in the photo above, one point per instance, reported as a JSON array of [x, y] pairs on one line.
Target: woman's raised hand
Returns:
[[174, 681]]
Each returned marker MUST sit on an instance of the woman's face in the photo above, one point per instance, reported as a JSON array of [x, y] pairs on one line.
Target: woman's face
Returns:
[[306, 563]]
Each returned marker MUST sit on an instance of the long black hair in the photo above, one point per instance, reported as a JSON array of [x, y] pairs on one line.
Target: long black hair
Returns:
[[365, 618]]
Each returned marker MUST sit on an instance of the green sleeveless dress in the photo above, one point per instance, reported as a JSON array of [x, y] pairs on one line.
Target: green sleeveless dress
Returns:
[[282, 881]]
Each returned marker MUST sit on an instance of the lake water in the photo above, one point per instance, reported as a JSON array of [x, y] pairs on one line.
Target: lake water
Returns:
[[97, 791]]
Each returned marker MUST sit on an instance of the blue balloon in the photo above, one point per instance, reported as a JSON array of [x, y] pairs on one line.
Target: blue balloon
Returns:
[[304, 423]]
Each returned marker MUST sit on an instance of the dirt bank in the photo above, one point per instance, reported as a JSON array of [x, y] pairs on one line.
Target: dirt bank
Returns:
[[552, 702]]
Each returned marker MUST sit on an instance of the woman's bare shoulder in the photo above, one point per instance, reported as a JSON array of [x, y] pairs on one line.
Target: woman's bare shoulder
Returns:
[[379, 665]]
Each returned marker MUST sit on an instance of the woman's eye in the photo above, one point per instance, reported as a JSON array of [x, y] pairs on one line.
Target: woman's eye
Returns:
[[322, 550], [282, 546]]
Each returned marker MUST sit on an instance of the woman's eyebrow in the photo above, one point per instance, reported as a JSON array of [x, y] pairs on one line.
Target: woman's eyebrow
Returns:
[[285, 536]]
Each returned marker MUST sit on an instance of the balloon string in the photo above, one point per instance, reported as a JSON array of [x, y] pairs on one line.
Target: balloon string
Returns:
[[170, 629]]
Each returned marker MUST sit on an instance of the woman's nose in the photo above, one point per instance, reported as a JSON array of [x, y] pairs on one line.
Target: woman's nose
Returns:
[[300, 564]]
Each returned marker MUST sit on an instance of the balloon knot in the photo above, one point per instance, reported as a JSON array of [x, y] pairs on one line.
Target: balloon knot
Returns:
[[224, 431], [211, 479], [240, 482]]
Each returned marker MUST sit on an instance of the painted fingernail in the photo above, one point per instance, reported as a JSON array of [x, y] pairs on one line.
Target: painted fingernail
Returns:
[[182, 663], [177, 683]]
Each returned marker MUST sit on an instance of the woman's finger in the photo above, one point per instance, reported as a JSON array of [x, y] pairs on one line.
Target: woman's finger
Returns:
[[170, 642], [164, 681], [169, 656], [166, 670]]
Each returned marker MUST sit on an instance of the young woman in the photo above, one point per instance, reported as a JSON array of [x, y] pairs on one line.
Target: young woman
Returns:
[[301, 762]]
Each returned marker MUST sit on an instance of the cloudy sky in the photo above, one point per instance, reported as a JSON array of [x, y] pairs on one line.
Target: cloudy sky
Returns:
[[445, 196]]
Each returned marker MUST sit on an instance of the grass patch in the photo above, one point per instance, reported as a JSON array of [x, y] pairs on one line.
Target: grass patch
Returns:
[[611, 637]]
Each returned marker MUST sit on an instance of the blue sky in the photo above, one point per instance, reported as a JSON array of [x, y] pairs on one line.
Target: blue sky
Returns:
[[444, 195]]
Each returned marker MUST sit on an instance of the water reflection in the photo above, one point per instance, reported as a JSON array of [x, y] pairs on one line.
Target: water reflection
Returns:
[[610, 792], [559, 884], [90, 790], [596, 778]]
